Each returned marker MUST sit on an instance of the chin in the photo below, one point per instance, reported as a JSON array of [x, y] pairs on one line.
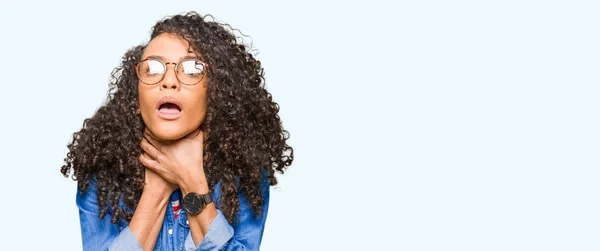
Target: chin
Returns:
[[168, 133]]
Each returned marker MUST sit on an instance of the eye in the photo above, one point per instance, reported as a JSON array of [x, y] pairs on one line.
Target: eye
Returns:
[[192, 68], [153, 67]]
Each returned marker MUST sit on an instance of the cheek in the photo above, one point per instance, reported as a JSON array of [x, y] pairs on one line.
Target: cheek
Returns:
[[198, 104], [145, 100], [198, 113], [147, 106]]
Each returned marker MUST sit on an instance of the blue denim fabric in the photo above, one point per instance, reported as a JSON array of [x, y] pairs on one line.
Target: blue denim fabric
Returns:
[[101, 234]]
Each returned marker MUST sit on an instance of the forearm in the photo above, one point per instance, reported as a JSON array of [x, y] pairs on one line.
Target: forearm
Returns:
[[199, 223], [148, 218]]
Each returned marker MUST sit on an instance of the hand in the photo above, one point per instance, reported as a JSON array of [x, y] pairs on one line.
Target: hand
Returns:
[[179, 162], [157, 185]]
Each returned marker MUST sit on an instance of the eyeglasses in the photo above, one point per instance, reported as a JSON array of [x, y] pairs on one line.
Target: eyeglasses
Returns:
[[189, 72]]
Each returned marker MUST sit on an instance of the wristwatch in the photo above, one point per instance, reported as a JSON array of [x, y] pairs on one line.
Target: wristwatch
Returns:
[[193, 203]]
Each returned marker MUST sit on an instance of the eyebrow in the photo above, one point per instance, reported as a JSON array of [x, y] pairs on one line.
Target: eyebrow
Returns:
[[161, 58]]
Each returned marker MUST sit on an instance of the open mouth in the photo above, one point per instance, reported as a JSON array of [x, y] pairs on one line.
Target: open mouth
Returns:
[[169, 107]]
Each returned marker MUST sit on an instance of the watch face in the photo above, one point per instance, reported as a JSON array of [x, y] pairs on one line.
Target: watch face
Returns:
[[193, 203]]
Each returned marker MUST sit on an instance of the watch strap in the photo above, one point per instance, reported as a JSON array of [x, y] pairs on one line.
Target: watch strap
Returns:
[[206, 198]]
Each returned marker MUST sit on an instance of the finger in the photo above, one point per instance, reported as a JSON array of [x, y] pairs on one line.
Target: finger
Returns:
[[151, 164], [150, 149], [148, 162]]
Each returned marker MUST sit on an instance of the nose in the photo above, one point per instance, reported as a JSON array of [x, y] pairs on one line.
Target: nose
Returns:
[[170, 81]]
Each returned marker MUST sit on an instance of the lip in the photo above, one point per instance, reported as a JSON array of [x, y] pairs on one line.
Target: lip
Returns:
[[172, 100]]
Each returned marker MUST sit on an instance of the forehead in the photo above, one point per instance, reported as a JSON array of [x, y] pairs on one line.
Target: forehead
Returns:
[[169, 47]]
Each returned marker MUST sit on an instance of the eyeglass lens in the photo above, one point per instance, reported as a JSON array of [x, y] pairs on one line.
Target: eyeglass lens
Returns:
[[189, 72]]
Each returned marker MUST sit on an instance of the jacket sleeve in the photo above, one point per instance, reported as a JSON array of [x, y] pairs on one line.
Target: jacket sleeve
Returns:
[[101, 234], [245, 235]]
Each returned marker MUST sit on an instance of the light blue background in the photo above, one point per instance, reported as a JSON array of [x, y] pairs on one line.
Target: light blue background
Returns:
[[417, 125]]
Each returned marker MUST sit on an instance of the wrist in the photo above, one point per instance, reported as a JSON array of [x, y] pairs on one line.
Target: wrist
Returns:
[[196, 183], [157, 192], [154, 199], [195, 188]]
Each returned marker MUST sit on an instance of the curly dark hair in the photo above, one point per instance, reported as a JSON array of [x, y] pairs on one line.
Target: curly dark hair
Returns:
[[245, 136]]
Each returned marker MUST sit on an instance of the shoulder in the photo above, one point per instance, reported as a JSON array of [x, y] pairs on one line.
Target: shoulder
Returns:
[[87, 197]]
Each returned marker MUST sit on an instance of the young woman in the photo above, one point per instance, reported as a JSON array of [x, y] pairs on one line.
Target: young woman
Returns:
[[182, 153]]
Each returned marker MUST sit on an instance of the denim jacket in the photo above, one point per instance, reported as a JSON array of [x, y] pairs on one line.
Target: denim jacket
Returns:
[[101, 234]]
